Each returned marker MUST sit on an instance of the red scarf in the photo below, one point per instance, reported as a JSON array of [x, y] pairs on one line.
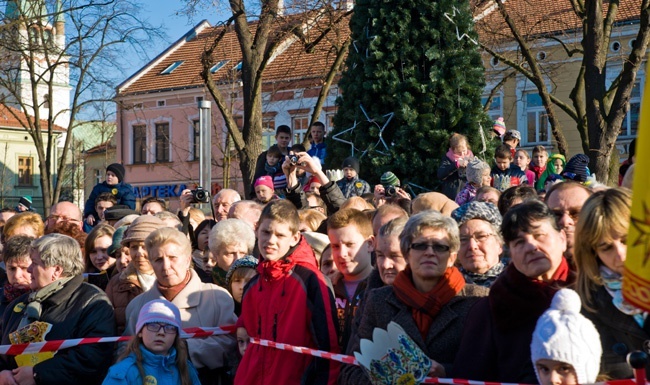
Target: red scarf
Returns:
[[538, 170], [425, 306], [170, 292]]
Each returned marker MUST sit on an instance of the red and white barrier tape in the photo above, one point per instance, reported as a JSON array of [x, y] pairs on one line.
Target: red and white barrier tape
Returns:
[[429, 380], [197, 332], [51, 346], [302, 350]]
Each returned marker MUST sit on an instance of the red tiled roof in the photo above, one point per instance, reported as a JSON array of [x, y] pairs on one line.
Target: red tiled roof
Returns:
[[291, 63], [8, 119], [537, 17], [100, 148], [534, 17]]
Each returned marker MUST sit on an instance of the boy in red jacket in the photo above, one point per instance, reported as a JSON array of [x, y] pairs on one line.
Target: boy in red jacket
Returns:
[[288, 302]]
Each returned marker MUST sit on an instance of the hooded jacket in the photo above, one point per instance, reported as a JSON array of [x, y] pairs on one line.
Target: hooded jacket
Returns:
[[158, 369], [289, 302]]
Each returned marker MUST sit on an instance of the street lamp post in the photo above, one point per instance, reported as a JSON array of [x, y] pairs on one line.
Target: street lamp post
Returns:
[[205, 128]]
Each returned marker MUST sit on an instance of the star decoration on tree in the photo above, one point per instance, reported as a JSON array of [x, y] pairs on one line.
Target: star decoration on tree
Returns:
[[458, 35], [338, 136], [388, 117]]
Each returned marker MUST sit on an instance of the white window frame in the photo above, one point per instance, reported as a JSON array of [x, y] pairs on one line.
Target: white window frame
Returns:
[[524, 87], [152, 139], [612, 72], [298, 134], [494, 114]]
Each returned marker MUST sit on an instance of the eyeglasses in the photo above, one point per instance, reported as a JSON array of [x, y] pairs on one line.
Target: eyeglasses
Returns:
[[57, 218], [155, 328], [436, 247], [478, 237]]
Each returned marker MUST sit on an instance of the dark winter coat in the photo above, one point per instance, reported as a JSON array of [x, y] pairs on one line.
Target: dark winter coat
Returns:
[[619, 335], [504, 179], [451, 180], [498, 331], [346, 309], [354, 187], [78, 310], [289, 302], [332, 196], [123, 192], [382, 307], [318, 151]]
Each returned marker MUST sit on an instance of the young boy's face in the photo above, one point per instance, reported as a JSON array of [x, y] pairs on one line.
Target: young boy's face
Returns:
[[111, 178], [237, 285], [349, 172], [502, 163], [540, 158], [264, 193], [521, 160], [101, 207], [557, 163], [275, 238], [350, 251], [272, 160], [551, 372]]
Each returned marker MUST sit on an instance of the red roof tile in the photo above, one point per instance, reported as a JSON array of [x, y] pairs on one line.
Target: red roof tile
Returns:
[[293, 62], [535, 17], [8, 119]]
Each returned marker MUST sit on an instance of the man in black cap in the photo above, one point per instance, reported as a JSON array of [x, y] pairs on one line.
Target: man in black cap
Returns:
[[350, 184], [114, 184]]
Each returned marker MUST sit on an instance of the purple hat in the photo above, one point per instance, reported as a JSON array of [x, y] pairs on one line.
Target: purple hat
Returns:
[[158, 310]]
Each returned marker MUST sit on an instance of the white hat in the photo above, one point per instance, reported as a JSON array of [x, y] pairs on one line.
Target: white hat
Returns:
[[563, 334]]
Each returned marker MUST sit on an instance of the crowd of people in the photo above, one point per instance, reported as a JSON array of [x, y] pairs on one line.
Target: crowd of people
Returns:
[[510, 273]]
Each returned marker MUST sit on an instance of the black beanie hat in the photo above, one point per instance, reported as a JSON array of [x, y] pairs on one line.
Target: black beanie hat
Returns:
[[577, 168], [351, 162], [117, 169]]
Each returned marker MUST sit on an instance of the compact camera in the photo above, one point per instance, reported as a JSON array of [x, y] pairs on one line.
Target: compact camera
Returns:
[[293, 159], [200, 195], [390, 191]]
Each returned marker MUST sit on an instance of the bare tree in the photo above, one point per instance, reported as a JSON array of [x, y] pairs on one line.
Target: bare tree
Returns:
[[259, 41], [598, 109], [42, 47]]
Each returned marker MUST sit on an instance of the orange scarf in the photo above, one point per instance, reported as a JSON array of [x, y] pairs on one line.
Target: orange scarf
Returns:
[[425, 306]]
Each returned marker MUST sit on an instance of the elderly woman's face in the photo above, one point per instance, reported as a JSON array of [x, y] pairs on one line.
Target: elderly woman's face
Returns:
[[479, 246], [538, 253], [140, 257], [41, 275], [170, 263], [229, 253], [430, 264]]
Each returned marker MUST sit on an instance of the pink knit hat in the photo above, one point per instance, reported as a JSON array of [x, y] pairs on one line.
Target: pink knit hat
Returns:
[[499, 126], [158, 310], [264, 181]]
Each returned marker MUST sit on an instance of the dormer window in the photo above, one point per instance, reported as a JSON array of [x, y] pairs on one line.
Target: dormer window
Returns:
[[172, 67], [218, 66]]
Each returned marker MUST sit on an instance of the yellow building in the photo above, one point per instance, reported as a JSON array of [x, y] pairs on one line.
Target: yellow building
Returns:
[[554, 33]]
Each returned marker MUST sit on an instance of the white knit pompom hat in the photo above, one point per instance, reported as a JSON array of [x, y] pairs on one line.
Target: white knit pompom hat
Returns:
[[563, 334]]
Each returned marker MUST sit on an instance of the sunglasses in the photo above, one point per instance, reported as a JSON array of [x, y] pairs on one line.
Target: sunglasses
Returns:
[[436, 247]]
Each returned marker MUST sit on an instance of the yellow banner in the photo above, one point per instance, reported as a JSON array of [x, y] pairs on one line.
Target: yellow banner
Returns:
[[636, 278]]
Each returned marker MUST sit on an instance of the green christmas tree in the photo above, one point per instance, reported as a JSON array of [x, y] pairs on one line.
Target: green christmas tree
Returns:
[[408, 64]]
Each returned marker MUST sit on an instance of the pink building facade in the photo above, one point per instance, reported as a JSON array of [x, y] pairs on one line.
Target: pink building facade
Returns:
[[158, 116]]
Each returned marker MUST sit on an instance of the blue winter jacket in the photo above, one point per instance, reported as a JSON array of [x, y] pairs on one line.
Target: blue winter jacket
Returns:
[[160, 370], [319, 151], [123, 193]]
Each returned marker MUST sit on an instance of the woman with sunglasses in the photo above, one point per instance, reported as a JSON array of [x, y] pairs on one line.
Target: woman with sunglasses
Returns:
[[429, 299], [497, 335]]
